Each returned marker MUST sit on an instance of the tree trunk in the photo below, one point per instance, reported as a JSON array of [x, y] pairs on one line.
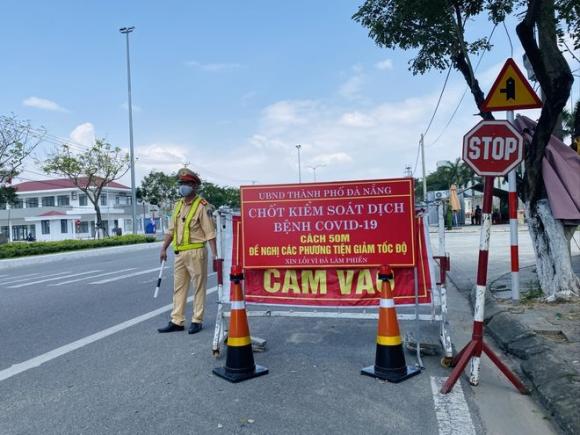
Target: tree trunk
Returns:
[[99, 223], [551, 246]]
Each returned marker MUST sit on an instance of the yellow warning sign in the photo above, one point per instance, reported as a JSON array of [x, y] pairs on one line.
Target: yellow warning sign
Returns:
[[510, 91]]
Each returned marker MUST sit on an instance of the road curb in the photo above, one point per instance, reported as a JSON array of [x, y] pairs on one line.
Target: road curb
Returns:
[[11, 263], [556, 385]]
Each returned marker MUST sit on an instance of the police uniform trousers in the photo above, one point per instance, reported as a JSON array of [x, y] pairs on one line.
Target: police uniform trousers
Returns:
[[189, 267]]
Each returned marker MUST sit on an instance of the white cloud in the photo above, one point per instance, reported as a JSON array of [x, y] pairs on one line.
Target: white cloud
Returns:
[[83, 134], [357, 119], [384, 65], [214, 67], [351, 89], [353, 139], [43, 104]]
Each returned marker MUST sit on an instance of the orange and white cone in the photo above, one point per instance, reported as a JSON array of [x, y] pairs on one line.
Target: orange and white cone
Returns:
[[240, 364], [390, 360]]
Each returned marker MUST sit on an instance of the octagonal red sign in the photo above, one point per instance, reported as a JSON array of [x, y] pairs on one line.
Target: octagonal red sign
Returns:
[[493, 148]]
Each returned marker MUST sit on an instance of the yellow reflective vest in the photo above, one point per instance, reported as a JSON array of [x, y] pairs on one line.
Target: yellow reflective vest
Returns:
[[185, 245]]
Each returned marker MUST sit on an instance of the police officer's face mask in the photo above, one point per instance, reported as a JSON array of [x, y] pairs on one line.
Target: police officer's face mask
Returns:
[[185, 190]]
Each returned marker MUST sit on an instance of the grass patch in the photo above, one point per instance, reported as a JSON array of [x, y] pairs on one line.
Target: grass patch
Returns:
[[534, 292], [23, 249]]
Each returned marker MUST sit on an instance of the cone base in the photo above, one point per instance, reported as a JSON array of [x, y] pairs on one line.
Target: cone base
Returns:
[[394, 377], [233, 377]]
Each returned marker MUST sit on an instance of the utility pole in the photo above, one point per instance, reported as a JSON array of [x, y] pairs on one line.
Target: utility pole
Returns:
[[408, 171], [298, 147], [422, 144], [126, 31]]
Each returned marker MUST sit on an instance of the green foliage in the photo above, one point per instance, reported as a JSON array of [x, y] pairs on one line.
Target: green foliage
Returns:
[[434, 29], [161, 189], [158, 189], [90, 170], [571, 122], [218, 195], [21, 249], [7, 195], [456, 172], [17, 140]]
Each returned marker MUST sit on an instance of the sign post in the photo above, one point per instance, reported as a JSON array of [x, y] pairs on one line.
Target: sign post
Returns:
[[491, 148], [511, 91]]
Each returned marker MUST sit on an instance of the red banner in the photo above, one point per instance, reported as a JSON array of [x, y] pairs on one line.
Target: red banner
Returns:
[[326, 225], [333, 287]]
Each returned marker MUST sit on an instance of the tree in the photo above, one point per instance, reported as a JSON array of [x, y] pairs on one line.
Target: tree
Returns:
[[449, 173], [218, 195], [17, 140], [436, 28], [159, 189], [90, 170], [571, 125]]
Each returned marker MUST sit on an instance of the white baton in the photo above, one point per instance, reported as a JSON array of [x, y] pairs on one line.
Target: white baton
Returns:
[[159, 279]]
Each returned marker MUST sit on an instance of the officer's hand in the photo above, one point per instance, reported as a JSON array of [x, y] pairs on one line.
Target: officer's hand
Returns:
[[163, 255]]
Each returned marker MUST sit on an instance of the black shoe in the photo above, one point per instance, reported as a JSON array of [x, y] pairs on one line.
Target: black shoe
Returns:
[[171, 327], [194, 328]]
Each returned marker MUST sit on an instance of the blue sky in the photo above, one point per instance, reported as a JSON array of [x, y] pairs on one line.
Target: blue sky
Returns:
[[232, 87]]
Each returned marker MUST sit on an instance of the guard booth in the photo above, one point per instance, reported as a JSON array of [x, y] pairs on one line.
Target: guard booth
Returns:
[[309, 251]]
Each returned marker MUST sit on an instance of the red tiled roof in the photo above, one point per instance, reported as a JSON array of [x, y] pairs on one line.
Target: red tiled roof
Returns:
[[62, 183], [53, 213]]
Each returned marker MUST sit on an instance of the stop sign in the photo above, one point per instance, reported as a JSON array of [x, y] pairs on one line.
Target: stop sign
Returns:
[[493, 148]]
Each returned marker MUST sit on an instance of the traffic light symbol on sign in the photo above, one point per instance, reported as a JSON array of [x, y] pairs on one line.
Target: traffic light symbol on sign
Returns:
[[510, 91]]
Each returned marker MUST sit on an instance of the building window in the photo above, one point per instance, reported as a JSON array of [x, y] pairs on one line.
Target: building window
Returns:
[[104, 199], [48, 201], [45, 227], [31, 202], [63, 200], [84, 227], [82, 199], [17, 204], [6, 231], [63, 226], [20, 232]]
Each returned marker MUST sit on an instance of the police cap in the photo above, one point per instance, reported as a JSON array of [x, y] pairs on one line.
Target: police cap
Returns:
[[185, 175]]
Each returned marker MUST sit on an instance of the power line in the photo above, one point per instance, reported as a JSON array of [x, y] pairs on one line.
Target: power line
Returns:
[[464, 92], [438, 101]]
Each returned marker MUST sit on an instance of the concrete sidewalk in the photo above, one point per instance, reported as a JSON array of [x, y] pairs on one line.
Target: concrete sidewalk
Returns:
[[544, 337]]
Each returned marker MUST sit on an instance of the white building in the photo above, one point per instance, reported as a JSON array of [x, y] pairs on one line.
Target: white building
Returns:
[[58, 210]]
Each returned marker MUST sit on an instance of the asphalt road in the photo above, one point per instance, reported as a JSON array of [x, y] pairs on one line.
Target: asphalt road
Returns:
[[138, 381]]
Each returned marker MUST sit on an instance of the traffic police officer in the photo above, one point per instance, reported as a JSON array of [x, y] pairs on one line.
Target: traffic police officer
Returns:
[[189, 230]]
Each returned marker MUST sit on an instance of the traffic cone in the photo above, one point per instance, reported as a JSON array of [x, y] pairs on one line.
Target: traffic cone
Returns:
[[240, 364], [390, 360]]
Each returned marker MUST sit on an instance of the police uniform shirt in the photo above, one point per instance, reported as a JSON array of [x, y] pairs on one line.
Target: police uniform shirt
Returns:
[[201, 227]]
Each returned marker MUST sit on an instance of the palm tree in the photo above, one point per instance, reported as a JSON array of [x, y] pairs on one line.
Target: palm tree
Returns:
[[457, 172]]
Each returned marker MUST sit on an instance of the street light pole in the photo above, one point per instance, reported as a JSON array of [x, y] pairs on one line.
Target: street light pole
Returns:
[[126, 31], [314, 168], [299, 166]]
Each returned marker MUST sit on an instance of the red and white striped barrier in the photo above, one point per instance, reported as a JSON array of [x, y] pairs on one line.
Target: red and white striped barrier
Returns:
[[513, 215], [476, 346]]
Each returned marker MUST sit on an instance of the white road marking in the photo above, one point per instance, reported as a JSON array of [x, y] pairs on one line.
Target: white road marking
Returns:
[[67, 348], [52, 279], [10, 277], [129, 275], [453, 416], [31, 276], [91, 277]]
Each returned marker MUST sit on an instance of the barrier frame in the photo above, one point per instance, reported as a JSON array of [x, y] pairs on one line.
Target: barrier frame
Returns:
[[437, 306]]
